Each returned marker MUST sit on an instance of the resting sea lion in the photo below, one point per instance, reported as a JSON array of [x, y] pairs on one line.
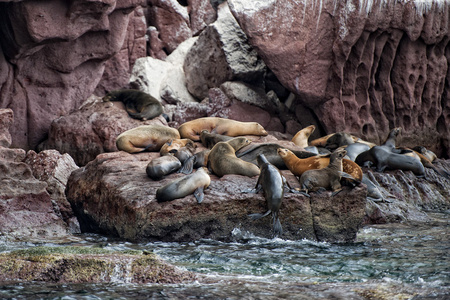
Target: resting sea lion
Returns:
[[146, 137], [174, 145], [186, 185], [210, 139], [301, 137], [158, 167], [326, 178], [300, 165], [272, 183], [355, 149], [139, 105], [198, 160], [185, 152], [430, 155], [192, 129], [269, 150], [222, 160]]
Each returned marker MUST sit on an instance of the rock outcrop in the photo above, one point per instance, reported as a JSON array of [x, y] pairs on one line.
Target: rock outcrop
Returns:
[[53, 55], [362, 66]]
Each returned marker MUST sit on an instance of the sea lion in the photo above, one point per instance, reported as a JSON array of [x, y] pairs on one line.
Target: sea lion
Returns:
[[222, 160], [428, 154], [174, 145], [339, 139], [198, 160], [138, 104], [251, 153], [355, 149], [328, 178], [272, 183], [192, 129], [161, 166], [185, 152], [210, 139], [302, 136], [298, 166], [146, 137], [186, 185]]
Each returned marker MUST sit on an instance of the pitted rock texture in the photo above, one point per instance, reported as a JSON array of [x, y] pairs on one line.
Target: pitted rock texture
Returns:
[[113, 195], [53, 55], [362, 66]]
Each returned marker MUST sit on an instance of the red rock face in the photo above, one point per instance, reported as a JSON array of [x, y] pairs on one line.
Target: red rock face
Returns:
[[53, 56], [361, 69]]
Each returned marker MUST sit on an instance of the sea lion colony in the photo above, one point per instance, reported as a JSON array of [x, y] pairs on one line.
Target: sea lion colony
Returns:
[[221, 139]]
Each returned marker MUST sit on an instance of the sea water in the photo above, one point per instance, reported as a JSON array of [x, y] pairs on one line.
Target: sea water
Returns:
[[391, 261]]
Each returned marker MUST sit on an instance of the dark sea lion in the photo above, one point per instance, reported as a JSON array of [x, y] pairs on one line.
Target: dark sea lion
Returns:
[[161, 166], [138, 104], [270, 151], [192, 129], [298, 166], [185, 152], [146, 137], [193, 183], [198, 160], [355, 149], [339, 139], [272, 183], [222, 161], [328, 178], [210, 139]]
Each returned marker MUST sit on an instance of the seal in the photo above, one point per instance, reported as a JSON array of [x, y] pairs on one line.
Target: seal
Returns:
[[298, 166], [428, 154], [185, 152], [222, 160], [270, 151], [328, 178], [161, 166], [339, 139], [146, 137], [193, 183], [302, 136], [355, 149], [174, 145], [192, 129], [272, 182], [138, 104], [210, 139]]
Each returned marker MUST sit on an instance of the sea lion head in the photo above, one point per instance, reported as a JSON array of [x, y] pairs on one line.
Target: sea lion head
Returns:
[[282, 152]]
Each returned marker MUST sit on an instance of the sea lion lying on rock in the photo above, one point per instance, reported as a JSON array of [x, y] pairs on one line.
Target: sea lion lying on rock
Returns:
[[138, 104]]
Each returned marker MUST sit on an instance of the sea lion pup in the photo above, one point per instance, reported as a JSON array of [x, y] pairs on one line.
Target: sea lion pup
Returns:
[[272, 183], [427, 163], [251, 153], [186, 185], [174, 145], [146, 137], [210, 139], [298, 166], [328, 178], [192, 129], [222, 161], [198, 160], [161, 166], [139, 105], [185, 152]]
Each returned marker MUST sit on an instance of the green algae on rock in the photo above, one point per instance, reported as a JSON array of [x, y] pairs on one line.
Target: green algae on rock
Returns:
[[81, 265]]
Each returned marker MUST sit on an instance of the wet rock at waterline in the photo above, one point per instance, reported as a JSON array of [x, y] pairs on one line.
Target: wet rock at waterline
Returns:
[[113, 195], [88, 265]]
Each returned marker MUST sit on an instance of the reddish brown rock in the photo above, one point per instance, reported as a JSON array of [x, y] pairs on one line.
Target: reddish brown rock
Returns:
[[52, 57], [113, 195], [361, 66]]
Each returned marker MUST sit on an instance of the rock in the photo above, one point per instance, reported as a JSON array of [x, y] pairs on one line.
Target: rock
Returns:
[[164, 80], [113, 195], [92, 130], [53, 56], [361, 67], [54, 168], [88, 265], [221, 54], [6, 120]]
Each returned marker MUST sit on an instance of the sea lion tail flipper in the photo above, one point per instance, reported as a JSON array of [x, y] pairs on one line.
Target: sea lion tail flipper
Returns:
[[247, 150], [259, 216], [188, 166], [336, 192], [199, 195], [346, 175], [277, 229]]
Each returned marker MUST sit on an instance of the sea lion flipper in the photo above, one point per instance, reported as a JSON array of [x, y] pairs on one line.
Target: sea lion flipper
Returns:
[[277, 229], [259, 216], [188, 166], [346, 175], [199, 195]]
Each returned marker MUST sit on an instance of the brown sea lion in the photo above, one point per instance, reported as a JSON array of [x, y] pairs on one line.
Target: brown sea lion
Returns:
[[209, 139], [146, 137], [328, 178], [300, 165], [272, 183], [302, 136], [193, 183], [428, 154], [192, 129], [222, 161], [161, 166], [138, 104], [174, 145]]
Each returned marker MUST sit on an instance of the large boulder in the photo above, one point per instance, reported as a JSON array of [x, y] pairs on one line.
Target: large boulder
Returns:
[[53, 55], [362, 66], [113, 195]]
